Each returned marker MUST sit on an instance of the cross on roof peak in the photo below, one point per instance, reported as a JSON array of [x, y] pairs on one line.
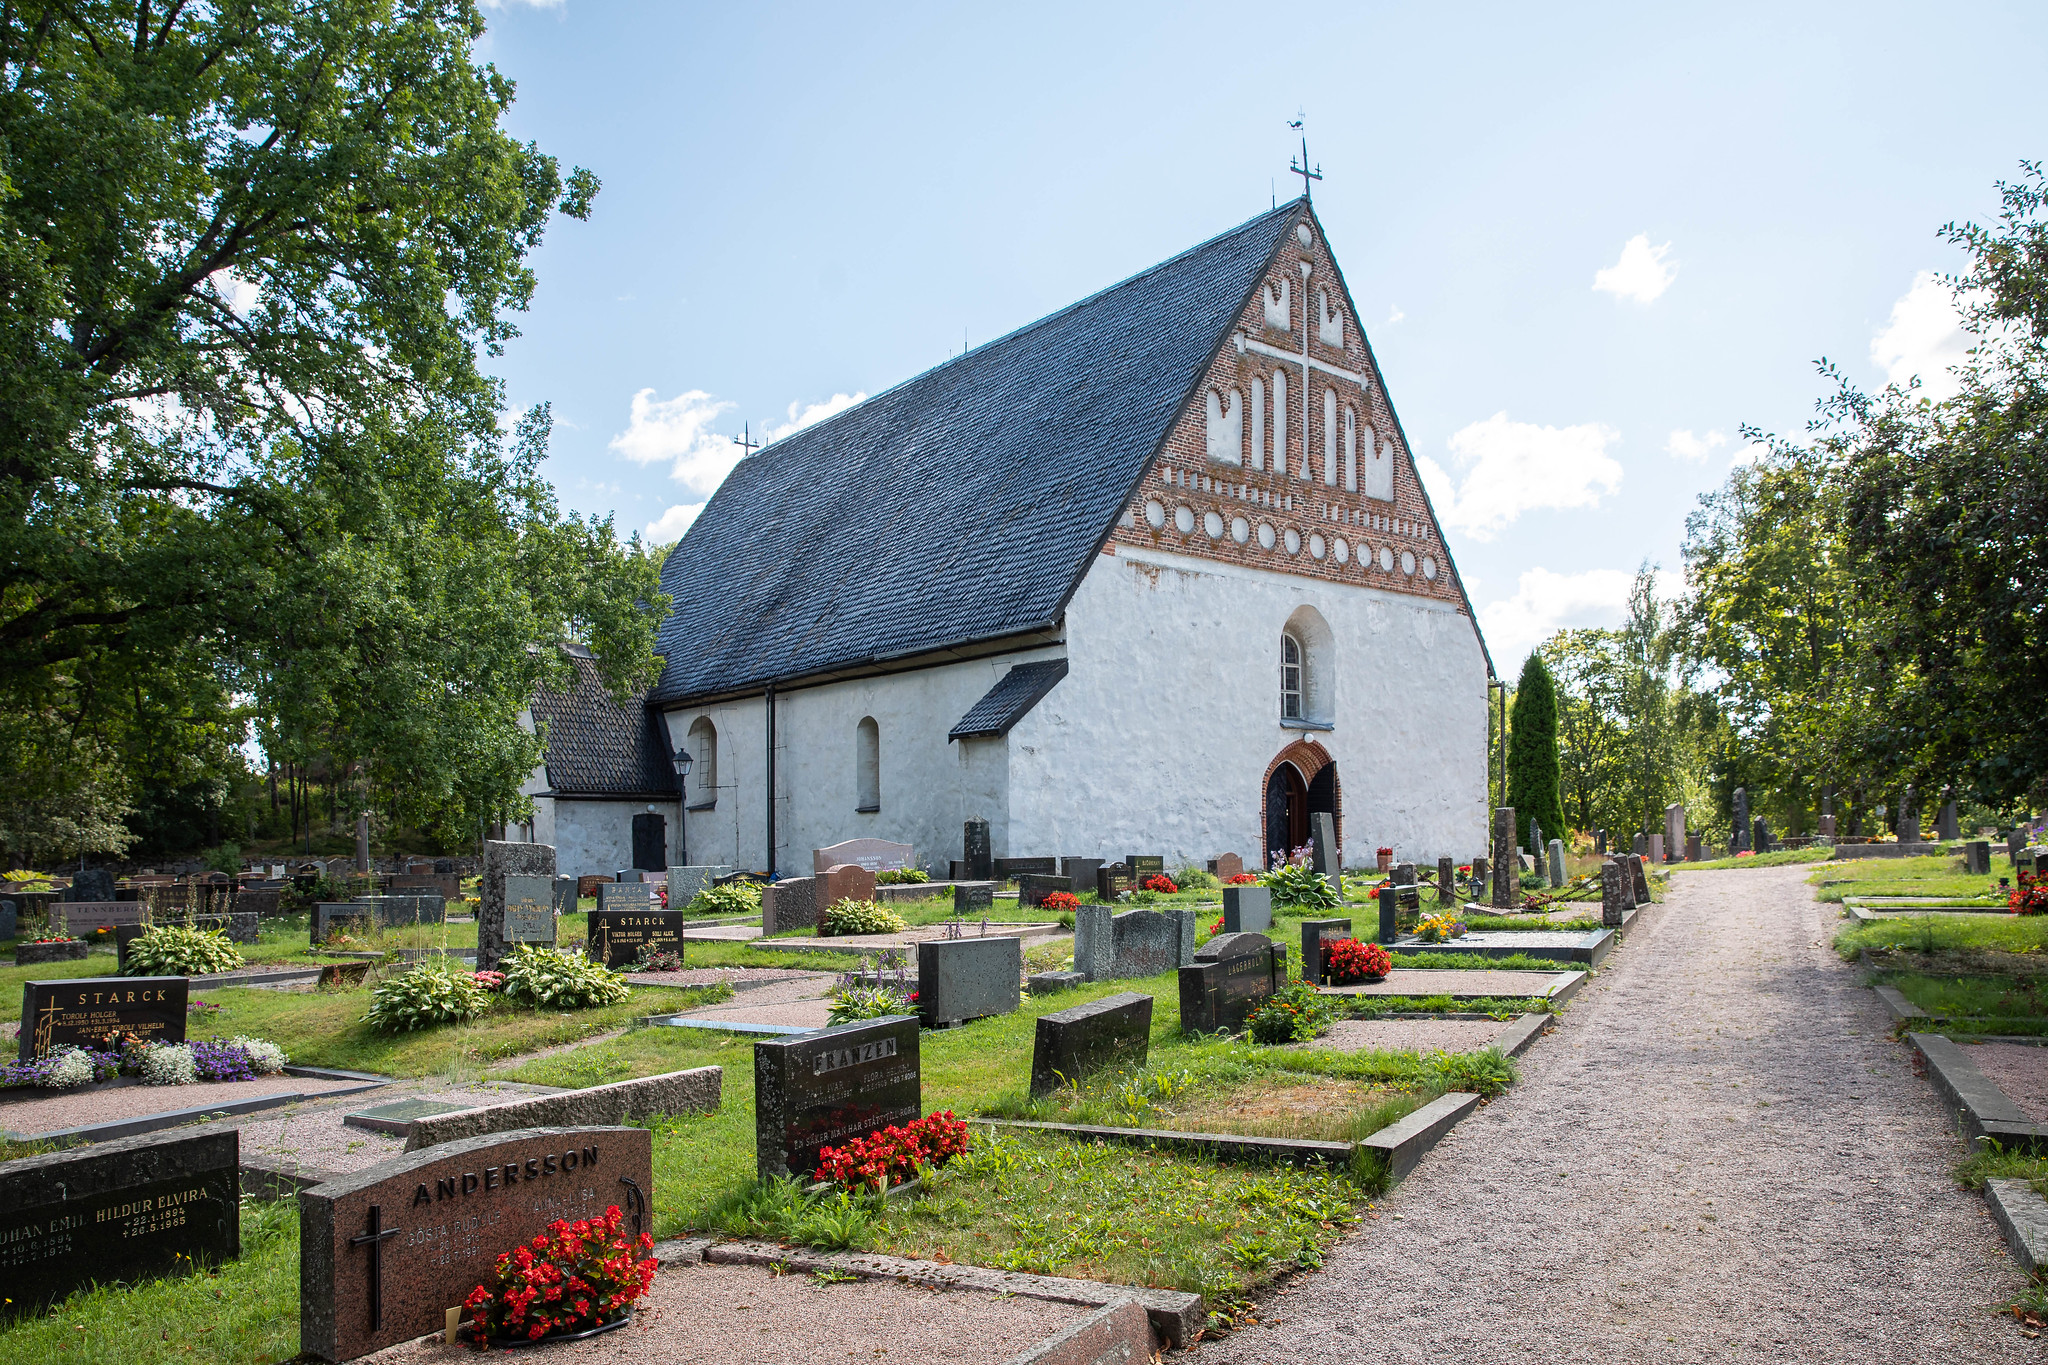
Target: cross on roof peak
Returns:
[[1301, 169]]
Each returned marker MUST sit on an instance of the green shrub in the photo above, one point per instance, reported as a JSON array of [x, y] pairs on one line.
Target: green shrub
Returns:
[[1534, 774], [869, 1002], [558, 980], [734, 898], [424, 997], [849, 916], [226, 858], [1294, 884], [1195, 879], [903, 876], [173, 950], [1293, 1014]]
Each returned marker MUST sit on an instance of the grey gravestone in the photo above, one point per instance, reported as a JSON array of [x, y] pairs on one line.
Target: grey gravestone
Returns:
[[502, 860], [630, 876], [1741, 841], [1639, 881], [9, 920], [1600, 842], [1324, 855], [1946, 823], [1762, 836], [530, 909], [393, 911], [626, 896], [1114, 1032], [791, 903], [819, 1089], [130, 1209], [973, 898], [1482, 868], [328, 916], [1977, 857], [1033, 888], [1617, 897], [1316, 936], [1505, 882], [1446, 881], [975, 850], [686, 881], [876, 855], [967, 978], [1640, 846], [93, 884], [1112, 881], [1909, 816], [1674, 829], [1109, 946], [1081, 872], [82, 1012], [1045, 983], [1536, 837], [1403, 877], [1692, 847], [615, 937], [1247, 909], [564, 889], [79, 918], [1229, 978], [384, 1252], [2015, 840], [1556, 863], [396, 1119]]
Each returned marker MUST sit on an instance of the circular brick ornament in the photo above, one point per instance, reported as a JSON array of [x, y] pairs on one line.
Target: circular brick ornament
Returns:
[[1265, 535], [1316, 548], [1240, 530], [1293, 541], [1212, 525], [1184, 519], [1155, 513]]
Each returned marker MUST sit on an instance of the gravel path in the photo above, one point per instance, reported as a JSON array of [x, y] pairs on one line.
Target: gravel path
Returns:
[[2020, 1070], [1719, 1155]]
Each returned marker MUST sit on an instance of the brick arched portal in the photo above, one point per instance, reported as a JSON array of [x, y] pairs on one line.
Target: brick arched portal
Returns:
[[1315, 784]]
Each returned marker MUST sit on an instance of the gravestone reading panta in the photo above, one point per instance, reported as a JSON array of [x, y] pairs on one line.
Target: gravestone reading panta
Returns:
[[1316, 937], [1556, 863], [967, 978], [386, 1251], [1506, 881], [1741, 823], [1108, 946], [976, 851], [1230, 977], [83, 1012], [1617, 896], [129, 1209], [1113, 1033], [502, 860], [615, 937], [1032, 889], [530, 910], [1247, 909], [973, 899], [823, 1088], [627, 896], [876, 855]]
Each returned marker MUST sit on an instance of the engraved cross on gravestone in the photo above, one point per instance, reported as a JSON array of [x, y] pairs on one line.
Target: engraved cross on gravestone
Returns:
[[375, 1239]]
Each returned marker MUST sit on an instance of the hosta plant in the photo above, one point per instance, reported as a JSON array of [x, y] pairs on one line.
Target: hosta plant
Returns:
[[903, 876], [734, 898], [173, 950], [423, 997], [870, 1002], [849, 916], [1293, 884], [562, 981]]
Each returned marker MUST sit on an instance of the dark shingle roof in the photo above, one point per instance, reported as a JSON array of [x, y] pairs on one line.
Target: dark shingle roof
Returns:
[[1011, 699], [963, 505], [596, 747]]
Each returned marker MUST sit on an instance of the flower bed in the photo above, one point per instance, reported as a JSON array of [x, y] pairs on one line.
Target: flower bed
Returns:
[[1348, 961], [2030, 897], [214, 1059], [1161, 883], [42, 950], [895, 1154], [1061, 900], [574, 1278]]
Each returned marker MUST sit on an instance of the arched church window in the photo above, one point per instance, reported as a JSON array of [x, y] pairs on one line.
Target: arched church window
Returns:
[[868, 764], [703, 778], [1290, 678]]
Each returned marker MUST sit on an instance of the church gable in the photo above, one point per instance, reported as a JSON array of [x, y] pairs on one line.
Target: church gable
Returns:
[[1288, 456]]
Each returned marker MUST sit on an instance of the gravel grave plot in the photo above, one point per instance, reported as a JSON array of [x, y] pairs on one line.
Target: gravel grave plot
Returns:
[[1423, 981], [313, 1136], [54, 1111], [798, 1002], [1720, 1154], [746, 1315], [2018, 1069], [1410, 1035], [741, 978]]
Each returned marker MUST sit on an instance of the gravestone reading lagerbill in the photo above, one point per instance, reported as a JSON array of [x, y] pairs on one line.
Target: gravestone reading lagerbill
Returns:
[[502, 860], [1247, 909], [1229, 978], [82, 1012], [1113, 1033], [1316, 937], [129, 1209], [967, 978], [1506, 881], [386, 1251], [823, 1088], [1617, 896]]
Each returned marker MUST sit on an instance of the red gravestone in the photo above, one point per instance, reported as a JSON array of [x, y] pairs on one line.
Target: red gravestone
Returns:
[[1227, 865], [847, 881]]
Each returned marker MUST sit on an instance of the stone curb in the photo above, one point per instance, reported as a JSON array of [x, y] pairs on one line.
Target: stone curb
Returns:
[[1011, 929], [716, 1025], [1901, 1008], [275, 1180], [1174, 1315], [1403, 1143], [1590, 956], [1521, 1034], [1983, 1111], [2023, 1217], [1109, 1336], [696, 1090], [1300, 1151]]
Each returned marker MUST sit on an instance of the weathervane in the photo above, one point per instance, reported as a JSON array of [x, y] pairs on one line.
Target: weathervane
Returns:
[[1300, 167]]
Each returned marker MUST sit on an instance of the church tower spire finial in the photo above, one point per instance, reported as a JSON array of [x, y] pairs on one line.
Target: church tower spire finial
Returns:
[[1301, 169]]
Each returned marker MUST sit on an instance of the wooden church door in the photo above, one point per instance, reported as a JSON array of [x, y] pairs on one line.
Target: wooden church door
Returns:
[[1287, 806]]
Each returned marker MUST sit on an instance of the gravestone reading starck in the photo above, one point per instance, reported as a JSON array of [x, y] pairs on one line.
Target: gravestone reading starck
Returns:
[[615, 937], [82, 1012], [502, 860], [1112, 1033], [129, 1209], [530, 909], [1229, 978], [820, 1089], [386, 1251]]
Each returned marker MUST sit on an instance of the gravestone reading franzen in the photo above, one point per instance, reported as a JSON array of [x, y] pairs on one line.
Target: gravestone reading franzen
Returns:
[[130, 1209], [1114, 1032], [1229, 978], [967, 978], [386, 1251], [1316, 937], [1617, 897], [530, 909], [502, 860], [820, 1089], [1247, 909], [82, 1012], [1109, 946], [615, 937]]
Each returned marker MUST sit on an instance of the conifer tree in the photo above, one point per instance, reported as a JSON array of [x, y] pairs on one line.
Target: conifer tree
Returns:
[[1533, 771]]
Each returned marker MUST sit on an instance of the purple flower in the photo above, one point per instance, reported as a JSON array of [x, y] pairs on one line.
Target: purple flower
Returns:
[[218, 1061]]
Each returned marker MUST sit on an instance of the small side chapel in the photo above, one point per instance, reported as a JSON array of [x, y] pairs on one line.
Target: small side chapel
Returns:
[[1154, 574]]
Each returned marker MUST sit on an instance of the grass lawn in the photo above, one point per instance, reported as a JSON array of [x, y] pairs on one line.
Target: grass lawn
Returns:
[[1781, 858], [1982, 1004], [1937, 875]]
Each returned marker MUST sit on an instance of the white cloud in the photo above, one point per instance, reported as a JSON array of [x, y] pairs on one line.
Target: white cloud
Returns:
[[1395, 315], [670, 525], [1546, 602], [1640, 274], [1750, 453], [1925, 337], [1508, 468], [1683, 445], [679, 430], [802, 415], [522, 4]]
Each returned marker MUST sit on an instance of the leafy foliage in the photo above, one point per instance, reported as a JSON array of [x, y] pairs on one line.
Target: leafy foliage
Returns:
[[1295, 1013], [902, 876], [1299, 885], [559, 980], [427, 995], [854, 1003], [734, 898], [1532, 756], [849, 916], [173, 950]]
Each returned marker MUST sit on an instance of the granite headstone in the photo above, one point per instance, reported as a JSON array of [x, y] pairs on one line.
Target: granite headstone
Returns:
[[530, 909], [84, 1011], [791, 903], [1032, 889], [1113, 1033], [502, 860], [1316, 937], [1506, 882], [1556, 852], [1247, 909], [615, 937], [1639, 880], [876, 855], [819, 1089], [92, 884], [1617, 896], [973, 899], [1081, 872], [976, 852], [1109, 946], [1229, 978], [967, 978]]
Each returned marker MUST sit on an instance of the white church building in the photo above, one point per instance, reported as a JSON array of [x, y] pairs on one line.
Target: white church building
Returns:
[[1154, 574]]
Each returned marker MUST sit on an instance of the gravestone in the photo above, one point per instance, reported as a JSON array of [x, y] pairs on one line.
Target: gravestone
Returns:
[[1761, 836], [1324, 855], [1402, 876], [1655, 852], [975, 851], [564, 894], [1640, 846], [1316, 937], [967, 978], [1482, 868], [1111, 881], [1505, 883], [10, 922], [390, 912], [1446, 882], [685, 882], [1977, 857], [1247, 909], [823, 1088], [650, 841], [876, 855], [1639, 881], [1109, 946], [1081, 872], [1145, 865], [1033, 889], [1600, 842], [1226, 866], [1741, 822], [328, 916], [1229, 978], [2015, 840], [129, 1209], [1556, 863], [530, 909], [502, 860], [1827, 826], [1909, 816], [79, 918], [1113, 1033], [847, 881], [1692, 848], [1009, 869], [386, 1251], [1947, 824], [82, 1012], [973, 899], [1617, 896], [1674, 828], [448, 888], [791, 903], [629, 875], [615, 937], [587, 884], [93, 884], [627, 896], [1390, 912]]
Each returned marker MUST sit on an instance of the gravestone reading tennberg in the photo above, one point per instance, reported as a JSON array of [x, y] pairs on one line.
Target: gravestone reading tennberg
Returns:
[[1617, 896], [83, 1011], [502, 860], [79, 918], [1741, 803], [822, 1088], [1316, 937], [1247, 909], [1506, 881], [967, 978], [1113, 1033], [1230, 977], [1109, 946]]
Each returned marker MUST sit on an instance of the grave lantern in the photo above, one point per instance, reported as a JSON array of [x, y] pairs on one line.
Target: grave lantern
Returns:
[[682, 762]]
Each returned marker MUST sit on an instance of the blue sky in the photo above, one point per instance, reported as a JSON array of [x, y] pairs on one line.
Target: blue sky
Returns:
[[1587, 244]]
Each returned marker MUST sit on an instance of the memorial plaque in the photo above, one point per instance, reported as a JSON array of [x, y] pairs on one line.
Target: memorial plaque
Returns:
[[1316, 937], [130, 1209], [1143, 865], [975, 851], [1229, 978], [617, 936], [82, 1012], [625, 896], [1112, 881], [529, 909], [503, 859], [820, 1089], [385, 1252], [973, 898], [1114, 1032]]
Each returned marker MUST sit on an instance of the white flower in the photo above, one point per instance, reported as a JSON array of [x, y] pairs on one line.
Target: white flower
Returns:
[[265, 1058], [68, 1067], [169, 1064]]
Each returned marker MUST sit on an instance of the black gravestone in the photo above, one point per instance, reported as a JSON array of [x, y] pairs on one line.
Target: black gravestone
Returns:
[[967, 978], [93, 884], [1143, 865], [1231, 975], [625, 896], [1112, 881], [1316, 937], [975, 850], [1113, 1032], [328, 916], [1324, 857], [822, 1089], [1617, 895], [9, 920], [976, 899], [1081, 872], [1977, 857], [1032, 888], [530, 909], [1007, 869], [650, 842], [128, 1209], [616, 937], [1639, 881], [565, 895], [1741, 806], [1389, 897], [81, 1013], [1762, 841]]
